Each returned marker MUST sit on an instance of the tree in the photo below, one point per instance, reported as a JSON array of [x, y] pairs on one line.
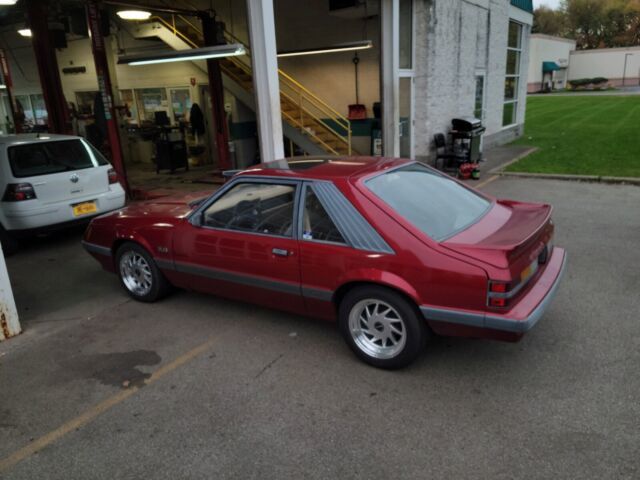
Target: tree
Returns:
[[549, 21], [603, 23]]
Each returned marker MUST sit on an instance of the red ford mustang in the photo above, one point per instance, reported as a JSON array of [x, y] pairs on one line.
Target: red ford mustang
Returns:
[[392, 249]]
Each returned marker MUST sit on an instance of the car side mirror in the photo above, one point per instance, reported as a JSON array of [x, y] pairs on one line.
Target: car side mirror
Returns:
[[197, 220]]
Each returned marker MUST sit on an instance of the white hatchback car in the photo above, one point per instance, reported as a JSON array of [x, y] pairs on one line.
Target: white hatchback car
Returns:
[[49, 181]]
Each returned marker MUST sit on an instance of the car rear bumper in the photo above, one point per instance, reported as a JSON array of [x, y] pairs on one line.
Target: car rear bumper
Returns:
[[521, 318], [26, 217]]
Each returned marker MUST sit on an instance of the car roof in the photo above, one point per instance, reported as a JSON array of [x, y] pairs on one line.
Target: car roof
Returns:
[[25, 138], [324, 167]]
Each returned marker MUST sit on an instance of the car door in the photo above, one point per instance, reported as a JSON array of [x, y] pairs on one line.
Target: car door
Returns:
[[243, 245]]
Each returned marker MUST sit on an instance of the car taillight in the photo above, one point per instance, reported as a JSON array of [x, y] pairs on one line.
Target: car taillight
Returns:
[[17, 192], [113, 176], [498, 294]]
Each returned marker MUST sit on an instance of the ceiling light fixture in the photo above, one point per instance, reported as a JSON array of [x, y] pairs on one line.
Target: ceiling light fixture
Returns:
[[3, 87], [8, 2], [133, 14], [218, 51], [25, 32], [341, 47]]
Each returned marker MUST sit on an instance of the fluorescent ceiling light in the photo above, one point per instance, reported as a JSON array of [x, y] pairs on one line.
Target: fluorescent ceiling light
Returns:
[[25, 32], [218, 51], [133, 14], [341, 47], [8, 2], [3, 87]]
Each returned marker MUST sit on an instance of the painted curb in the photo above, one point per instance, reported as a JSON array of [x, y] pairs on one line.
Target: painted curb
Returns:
[[574, 178]]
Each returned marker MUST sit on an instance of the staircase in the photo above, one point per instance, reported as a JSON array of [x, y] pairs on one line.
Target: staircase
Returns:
[[308, 121]]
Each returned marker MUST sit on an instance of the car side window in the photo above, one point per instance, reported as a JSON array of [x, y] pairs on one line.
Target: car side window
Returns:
[[254, 207], [316, 222]]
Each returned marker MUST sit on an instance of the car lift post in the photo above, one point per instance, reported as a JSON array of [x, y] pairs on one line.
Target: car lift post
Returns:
[[8, 83], [9, 323], [216, 92], [106, 91], [57, 111]]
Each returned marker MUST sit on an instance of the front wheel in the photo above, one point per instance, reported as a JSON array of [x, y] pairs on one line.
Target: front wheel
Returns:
[[139, 274], [381, 327]]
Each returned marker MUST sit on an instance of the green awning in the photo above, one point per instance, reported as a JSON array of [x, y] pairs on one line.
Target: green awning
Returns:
[[550, 66]]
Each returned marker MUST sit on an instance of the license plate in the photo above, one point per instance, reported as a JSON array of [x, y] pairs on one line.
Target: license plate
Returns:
[[529, 271], [84, 208]]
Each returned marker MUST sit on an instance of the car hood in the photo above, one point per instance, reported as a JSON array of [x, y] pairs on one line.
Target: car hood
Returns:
[[175, 206], [509, 235]]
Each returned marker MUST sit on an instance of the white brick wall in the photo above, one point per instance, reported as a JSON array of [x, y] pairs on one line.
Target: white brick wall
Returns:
[[454, 40]]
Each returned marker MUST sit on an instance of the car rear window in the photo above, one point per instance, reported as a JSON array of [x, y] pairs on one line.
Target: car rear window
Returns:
[[44, 158], [432, 202]]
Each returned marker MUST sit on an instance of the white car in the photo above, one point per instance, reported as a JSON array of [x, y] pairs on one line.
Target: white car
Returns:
[[49, 181]]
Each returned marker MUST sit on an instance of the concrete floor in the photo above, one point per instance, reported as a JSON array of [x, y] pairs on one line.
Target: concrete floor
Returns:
[[235, 391]]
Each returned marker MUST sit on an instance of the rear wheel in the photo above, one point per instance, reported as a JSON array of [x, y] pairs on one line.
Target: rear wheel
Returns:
[[9, 243], [382, 327], [139, 274]]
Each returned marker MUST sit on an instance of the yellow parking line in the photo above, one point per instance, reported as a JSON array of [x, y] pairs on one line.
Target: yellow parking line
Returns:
[[98, 409], [488, 180]]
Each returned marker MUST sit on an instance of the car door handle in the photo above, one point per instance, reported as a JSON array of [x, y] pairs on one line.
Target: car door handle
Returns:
[[281, 252]]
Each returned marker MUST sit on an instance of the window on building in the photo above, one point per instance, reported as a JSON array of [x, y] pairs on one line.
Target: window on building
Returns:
[[39, 109], [512, 77], [128, 99], [150, 101], [180, 103], [406, 34], [478, 109]]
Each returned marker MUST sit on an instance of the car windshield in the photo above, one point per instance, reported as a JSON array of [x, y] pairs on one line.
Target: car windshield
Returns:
[[434, 203], [44, 158]]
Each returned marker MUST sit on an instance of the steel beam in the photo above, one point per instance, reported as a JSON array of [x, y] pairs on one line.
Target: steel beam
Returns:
[[57, 111], [216, 93], [389, 79], [104, 84], [262, 33]]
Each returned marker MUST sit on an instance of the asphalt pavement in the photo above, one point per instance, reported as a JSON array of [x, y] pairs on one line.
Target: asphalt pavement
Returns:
[[102, 387]]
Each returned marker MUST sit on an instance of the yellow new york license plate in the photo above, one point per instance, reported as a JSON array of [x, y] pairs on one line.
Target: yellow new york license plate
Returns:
[[529, 271], [84, 208]]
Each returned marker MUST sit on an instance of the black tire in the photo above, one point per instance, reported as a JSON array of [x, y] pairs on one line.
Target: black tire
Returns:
[[403, 312], [9, 243], [159, 285]]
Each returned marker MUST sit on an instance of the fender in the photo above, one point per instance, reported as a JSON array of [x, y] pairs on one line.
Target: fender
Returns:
[[381, 277], [131, 235]]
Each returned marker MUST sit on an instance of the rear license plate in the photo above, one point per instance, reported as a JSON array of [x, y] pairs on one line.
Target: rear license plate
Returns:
[[529, 271], [84, 208]]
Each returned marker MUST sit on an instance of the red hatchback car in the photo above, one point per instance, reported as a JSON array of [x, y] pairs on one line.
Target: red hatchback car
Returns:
[[392, 249]]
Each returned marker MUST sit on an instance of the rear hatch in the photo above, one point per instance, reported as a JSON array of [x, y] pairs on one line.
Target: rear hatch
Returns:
[[60, 170], [513, 236]]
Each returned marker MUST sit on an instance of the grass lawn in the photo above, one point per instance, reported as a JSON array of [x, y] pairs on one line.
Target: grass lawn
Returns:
[[582, 135]]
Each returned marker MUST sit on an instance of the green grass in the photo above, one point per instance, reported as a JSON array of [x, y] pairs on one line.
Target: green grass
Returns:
[[582, 135]]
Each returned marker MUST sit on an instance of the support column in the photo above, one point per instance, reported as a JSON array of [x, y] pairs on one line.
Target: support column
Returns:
[[57, 111], [104, 84], [9, 323], [216, 93], [264, 62], [389, 80], [8, 82]]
